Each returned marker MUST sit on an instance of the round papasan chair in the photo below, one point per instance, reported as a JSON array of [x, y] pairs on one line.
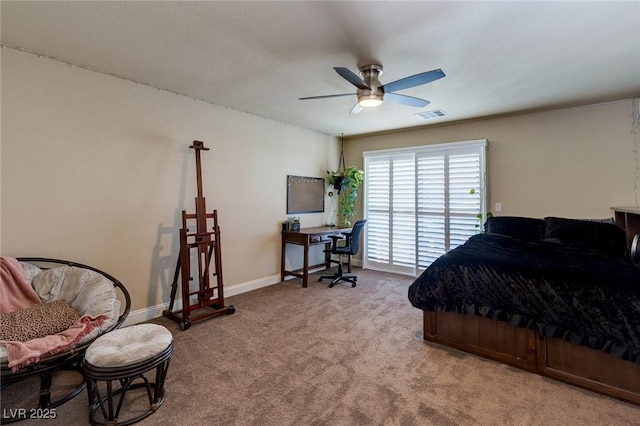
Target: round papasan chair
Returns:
[[94, 301]]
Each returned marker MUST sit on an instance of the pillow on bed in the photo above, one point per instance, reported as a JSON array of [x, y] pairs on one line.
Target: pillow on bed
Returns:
[[603, 237], [37, 321], [522, 228]]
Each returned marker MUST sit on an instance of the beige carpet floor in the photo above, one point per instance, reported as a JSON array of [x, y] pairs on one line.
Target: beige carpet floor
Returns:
[[344, 356]]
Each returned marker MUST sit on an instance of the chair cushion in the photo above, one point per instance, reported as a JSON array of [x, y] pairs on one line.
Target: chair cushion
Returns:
[[128, 345], [89, 292]]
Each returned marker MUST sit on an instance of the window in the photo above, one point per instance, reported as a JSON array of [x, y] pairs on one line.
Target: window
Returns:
[[419, 203]]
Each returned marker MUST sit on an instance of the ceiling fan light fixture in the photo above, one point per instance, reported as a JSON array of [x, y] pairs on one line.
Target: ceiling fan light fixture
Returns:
[[370, 101]]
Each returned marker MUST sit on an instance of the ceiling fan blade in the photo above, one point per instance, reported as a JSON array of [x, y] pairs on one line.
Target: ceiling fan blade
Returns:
[[356, 109], [351, 77], [405, 100], [326, 96], [413, 81]]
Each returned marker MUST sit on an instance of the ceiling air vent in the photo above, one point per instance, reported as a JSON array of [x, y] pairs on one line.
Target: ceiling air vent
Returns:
[[436, 113]]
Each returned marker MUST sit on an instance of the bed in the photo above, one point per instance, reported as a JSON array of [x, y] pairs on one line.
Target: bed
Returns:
[[51, 311], [555, 296]]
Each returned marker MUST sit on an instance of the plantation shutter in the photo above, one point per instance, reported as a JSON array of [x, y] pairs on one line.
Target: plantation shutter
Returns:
[[403, 227], [447, 210], [432, 211], [378, 195], [420, 203], [464, 207], [390, 212]]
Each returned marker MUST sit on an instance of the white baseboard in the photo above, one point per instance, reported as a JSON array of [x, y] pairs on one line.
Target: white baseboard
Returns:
[[145, 314]]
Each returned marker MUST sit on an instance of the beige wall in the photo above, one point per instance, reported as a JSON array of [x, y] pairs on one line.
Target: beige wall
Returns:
[[575, 162], [97, 169]]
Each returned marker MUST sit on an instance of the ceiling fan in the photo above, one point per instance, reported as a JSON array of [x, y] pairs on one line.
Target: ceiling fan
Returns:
[[371, 92]]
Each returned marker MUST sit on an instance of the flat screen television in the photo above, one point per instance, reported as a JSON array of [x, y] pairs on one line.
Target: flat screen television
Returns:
[[305, 194]]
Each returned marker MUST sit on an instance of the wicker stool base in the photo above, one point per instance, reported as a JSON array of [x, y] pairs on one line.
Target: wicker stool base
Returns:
[[106, 401]]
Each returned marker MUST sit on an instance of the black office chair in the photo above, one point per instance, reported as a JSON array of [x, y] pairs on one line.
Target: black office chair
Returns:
[[349, 249]]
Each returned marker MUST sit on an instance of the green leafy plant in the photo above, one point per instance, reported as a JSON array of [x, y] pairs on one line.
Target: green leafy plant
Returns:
[[479, 216], [346, 183]]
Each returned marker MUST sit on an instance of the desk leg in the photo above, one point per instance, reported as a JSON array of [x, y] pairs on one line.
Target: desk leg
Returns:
[[305, 271], [283, 253], [327, 255]]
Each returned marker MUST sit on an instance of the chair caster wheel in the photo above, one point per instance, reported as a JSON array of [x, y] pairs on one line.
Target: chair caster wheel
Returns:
[[231, 310], [330, 285], [353, 285], [184, 325]]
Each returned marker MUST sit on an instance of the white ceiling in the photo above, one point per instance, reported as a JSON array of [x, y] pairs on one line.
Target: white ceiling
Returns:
[[260, 57]]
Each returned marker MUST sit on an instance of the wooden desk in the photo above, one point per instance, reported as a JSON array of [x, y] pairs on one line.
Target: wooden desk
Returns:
[[306, 238]]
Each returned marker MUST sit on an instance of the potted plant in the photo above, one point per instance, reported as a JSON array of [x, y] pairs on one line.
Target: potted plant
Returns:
[[335, 179], [346, 182]]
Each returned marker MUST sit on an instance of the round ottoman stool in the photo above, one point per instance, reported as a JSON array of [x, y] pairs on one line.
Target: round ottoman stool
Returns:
[[124, 356]]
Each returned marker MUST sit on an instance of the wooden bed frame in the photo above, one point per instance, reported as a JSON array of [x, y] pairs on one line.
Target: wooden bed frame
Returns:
[[523, 348]]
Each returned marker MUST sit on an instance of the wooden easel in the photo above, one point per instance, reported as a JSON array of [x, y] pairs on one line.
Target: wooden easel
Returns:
[[210, 301]]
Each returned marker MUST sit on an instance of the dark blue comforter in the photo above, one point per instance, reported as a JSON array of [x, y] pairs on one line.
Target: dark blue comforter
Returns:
[[583, 296]]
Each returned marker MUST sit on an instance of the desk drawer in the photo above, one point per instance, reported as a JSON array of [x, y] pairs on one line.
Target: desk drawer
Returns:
[[323, 238]]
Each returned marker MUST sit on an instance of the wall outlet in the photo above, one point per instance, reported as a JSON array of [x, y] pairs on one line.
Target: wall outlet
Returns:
[[498, 207]]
